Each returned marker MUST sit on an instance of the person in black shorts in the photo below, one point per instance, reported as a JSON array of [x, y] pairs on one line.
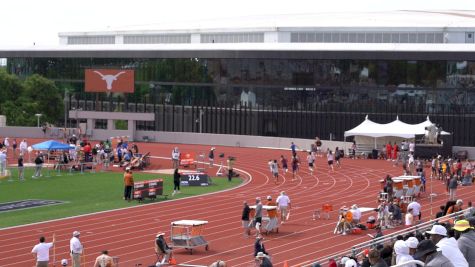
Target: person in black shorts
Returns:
[[285, 167]]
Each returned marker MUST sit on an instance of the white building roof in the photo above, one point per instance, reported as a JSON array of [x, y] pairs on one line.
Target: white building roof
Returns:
[[396, 20]]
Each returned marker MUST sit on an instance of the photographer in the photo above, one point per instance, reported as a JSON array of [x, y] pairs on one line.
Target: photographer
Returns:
[[230, 167]]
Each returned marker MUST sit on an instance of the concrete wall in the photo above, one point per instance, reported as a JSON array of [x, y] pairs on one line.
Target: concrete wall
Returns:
[[195, 138]]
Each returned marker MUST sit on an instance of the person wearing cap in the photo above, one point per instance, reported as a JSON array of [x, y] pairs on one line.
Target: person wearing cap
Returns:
[[412, 243], [259, 245], [176, 158], [272, 214], [401, 250], [211, 157], [75, 249], [263, 260], [162, 248], [41, 252], [427, 253], [448, 246], [466, 240], [104, 260], [128, 184], [283, 203]]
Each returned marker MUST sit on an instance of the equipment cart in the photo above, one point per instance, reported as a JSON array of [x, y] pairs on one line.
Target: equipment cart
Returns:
[[187, 234]]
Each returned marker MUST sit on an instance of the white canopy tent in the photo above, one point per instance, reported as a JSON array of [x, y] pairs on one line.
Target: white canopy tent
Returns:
[[382, 133]]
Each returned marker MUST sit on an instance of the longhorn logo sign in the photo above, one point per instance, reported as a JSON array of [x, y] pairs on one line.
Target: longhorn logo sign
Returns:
[[109, 80]]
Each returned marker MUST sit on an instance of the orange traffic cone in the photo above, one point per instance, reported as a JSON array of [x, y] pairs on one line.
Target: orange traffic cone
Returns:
[[172, 261], [285, 264]]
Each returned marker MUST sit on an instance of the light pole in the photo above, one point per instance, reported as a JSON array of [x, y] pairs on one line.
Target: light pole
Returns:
[[38, 115]]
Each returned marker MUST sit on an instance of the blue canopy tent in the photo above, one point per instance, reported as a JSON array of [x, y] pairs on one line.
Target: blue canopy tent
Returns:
[[51, 145]]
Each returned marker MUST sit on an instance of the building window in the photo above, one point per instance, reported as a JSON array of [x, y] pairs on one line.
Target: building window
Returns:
[[100, 124]]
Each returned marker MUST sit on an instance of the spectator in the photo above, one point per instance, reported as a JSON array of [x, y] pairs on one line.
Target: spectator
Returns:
[[402, 253], [263, 260], [427, 253], [441, 212], [375, 259], [412, 243], [455, 208], [104, 260], [448, 246], [466, 240], [38, 166], [259, 246], [470, 210]]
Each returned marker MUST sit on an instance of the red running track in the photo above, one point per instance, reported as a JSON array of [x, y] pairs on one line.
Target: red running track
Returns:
[[129, 233]]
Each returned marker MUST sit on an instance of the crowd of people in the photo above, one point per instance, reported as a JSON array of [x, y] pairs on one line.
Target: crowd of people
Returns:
[[444, 245]]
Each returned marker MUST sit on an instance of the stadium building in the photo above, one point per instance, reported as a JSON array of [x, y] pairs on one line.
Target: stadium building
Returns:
[[289, 76]]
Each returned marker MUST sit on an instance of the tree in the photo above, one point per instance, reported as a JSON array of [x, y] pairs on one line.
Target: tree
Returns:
[[10, 86], [46, 97]]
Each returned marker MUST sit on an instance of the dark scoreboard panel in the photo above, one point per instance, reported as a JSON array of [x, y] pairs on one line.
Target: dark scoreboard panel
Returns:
[[193, 178], [148, 189]]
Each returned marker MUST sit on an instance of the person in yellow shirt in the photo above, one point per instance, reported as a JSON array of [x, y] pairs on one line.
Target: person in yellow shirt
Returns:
[[128, 184]]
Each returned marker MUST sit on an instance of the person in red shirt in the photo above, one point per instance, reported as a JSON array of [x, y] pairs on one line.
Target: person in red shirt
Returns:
[[395, 150], [388, 151]]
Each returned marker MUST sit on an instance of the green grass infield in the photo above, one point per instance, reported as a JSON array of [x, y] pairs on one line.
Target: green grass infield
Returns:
[[84, 193]]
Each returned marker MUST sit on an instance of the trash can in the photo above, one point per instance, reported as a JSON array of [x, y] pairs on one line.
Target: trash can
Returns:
[[116, 261]]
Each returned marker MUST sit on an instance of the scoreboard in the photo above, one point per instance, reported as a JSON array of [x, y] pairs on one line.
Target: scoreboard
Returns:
[[148, 189], [194, 178]]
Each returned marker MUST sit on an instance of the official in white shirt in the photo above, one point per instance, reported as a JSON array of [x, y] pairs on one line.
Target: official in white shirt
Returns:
[[448, 246], [75, 249], [416, 209], [283, 203], [41, 252], [176, 158]]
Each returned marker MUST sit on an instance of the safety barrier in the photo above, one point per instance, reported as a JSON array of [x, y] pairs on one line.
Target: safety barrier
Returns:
[[357, 249]]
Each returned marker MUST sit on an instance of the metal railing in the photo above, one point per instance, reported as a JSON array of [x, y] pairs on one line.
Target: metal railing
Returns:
[[357, 249]]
